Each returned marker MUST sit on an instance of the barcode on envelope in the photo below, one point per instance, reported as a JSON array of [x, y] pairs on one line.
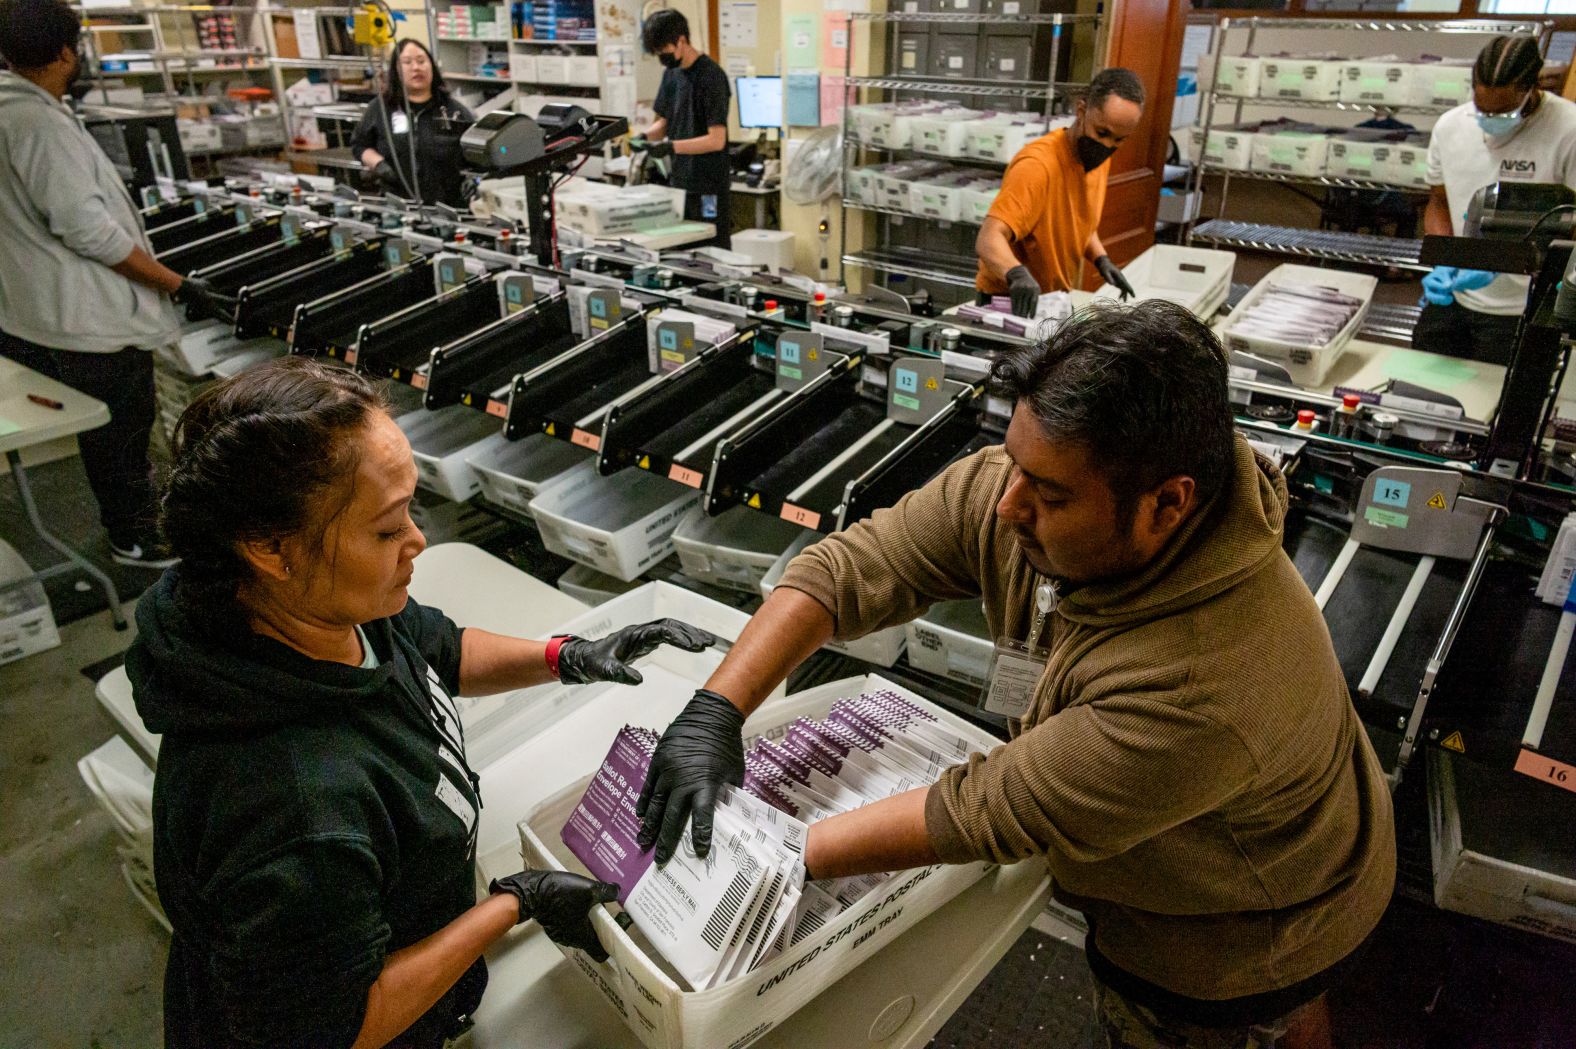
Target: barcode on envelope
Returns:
[[764, 915], [727, 907]]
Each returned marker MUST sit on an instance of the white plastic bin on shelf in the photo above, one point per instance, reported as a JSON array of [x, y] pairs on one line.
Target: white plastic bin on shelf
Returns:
[[943, 132], [1310, 79], [528, 744], [592, 587], [1405, 163], [952, 640], [978, 198], [735, 549], [1238, 75], [1306, 364], [621, 525], [1197, 278], [881, 648], [1299, 153], [441, 441], [1377, 81], [1226, 147], [511, 473], [1445, 82], [738, 1012]]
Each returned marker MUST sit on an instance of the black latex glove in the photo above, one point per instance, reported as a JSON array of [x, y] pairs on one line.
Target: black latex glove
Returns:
[[658, 150], [203, 301], [561, 903], [581, 661], [701, 750], [1113, 276], [1025, 291], [387, 176]]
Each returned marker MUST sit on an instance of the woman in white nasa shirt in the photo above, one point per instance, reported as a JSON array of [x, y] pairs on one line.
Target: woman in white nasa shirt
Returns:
[[1511, 131]]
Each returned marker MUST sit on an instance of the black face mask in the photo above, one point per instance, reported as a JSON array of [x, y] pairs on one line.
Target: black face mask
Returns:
[[668, 61], [1092, 152]]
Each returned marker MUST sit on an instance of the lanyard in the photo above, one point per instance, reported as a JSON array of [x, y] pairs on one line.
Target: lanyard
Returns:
[[1045, 600]]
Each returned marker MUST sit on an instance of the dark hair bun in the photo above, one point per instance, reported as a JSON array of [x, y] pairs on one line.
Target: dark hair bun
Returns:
[[255, 457]]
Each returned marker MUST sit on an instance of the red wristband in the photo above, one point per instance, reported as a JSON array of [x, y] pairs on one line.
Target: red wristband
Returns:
[[553, 645]]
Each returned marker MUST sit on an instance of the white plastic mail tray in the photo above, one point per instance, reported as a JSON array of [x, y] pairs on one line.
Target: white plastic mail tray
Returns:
[[1196, 278], [952, 640], [621, 525], [1307, 365], [441, 441], [735, 549], [591, 587], [511, 473], [881, 648], [736, 1013]]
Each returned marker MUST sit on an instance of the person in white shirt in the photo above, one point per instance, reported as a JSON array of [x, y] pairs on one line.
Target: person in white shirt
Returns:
[[1511, 131]]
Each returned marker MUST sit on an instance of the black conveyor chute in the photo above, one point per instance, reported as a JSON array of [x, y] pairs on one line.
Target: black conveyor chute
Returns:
[[329, 325], [396, 346], [267, 307], [768, 458], [478, 370], [673, 428], [952, 435], [194, 227], [268, 261], [567, 397], [224, 244], [167, 212]]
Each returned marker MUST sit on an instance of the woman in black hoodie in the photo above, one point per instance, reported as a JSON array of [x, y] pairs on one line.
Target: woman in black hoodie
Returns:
[[314, 815]]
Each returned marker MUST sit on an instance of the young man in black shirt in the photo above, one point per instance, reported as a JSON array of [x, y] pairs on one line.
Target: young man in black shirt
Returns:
[[692, 121]]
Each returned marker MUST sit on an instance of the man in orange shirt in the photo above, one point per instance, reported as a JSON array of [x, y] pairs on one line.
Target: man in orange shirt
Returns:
[[1044, 222]]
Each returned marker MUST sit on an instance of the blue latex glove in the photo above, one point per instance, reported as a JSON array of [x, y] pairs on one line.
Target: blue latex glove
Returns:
[[1471, 280], [1438, 285]]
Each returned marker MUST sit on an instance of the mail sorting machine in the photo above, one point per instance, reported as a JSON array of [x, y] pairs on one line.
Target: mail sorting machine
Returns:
[[1422, 570]]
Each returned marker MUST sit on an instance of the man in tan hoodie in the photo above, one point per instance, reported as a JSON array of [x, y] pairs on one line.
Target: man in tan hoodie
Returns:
[[1189, 764]]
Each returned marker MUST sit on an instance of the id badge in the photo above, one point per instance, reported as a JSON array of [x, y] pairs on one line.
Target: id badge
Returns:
[[1014, 674], [399, 123], [708, 205]]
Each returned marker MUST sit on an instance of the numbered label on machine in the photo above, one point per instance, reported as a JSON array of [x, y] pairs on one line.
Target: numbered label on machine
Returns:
[[916, 390], [515, 292], [1413, 510], [244, 214], [675, 344], [604, 308], [396, 252], [801, 357], [341, 240], [451, 274], [290, 229]]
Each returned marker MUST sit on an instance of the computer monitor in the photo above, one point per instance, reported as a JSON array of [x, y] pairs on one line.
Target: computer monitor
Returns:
[[760, 101]]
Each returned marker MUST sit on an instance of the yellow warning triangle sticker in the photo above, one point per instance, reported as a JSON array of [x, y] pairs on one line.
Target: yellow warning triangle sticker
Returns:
[[755, 502], [645, 462], [1453, 741], [552, 429], [1437, 500]]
